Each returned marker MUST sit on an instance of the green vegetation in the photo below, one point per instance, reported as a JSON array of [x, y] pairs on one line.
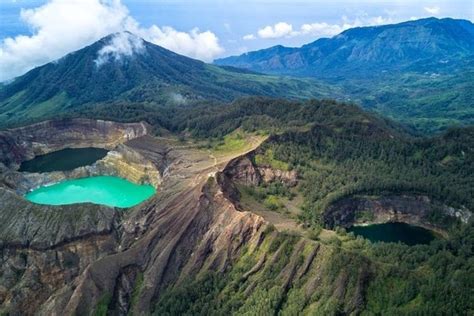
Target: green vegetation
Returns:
[[273, 203], [159, 78], [136, 290], [420, 72], [272, 196], [430, 103], [102, 306], [339, 151], [236, 292], [230, 143], [396, 280], [433, 279], [335, 165], [364, 216], [267, 158]]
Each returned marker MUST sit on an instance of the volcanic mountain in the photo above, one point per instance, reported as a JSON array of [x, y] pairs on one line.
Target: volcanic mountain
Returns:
[[124, 67]]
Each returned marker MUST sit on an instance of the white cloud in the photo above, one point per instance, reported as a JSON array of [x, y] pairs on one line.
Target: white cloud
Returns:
[[432, 10], [365, 20], [317, 29], [196, 44], [249, 37], [60, 27], [281, 29], [122, 44], [321, 29]]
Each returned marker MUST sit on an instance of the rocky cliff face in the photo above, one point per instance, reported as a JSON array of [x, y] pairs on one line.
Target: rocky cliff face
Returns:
[[17, 145], [122, 160], [270, 174], [77, 254], [243, 171], [44, 248], [410, 209]]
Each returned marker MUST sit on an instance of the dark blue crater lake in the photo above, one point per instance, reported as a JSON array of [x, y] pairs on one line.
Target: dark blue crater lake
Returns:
[[394, 232], [64, 160]]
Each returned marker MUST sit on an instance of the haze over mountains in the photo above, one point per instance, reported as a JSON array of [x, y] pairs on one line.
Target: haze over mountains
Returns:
[[419, 72], [123, 66], [417, 45]]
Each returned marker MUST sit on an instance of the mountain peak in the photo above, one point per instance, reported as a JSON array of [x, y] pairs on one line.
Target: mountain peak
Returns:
[[122, 67]]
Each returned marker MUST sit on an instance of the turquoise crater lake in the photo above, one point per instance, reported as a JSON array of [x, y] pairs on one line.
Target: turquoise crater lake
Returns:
[[105, 190]]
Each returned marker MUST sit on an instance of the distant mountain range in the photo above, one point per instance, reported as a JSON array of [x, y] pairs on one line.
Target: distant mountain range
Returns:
[[124, 67], [419, 45], [417, 72]]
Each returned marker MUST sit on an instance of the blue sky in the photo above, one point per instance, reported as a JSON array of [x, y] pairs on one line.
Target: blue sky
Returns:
[[231, 20], [205, 29]]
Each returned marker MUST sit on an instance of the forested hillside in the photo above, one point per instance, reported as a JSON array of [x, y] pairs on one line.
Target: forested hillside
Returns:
[[150, 75]]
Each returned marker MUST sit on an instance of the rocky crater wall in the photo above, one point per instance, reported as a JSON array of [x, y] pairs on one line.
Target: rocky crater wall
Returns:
[[17, 145], [121, 162], [243, 171], [24, 143], [410, 209]]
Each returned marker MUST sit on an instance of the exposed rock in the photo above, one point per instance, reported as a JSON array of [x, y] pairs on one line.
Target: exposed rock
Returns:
[[20, 144], [405, 208], [243, 171], [189, 226], [27, 225], [269, 174], [65, 260]]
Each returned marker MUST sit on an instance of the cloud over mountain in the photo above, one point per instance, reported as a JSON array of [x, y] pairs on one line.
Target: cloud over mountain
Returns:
[[316, 29], [121, 44], [59, 27], [432, 10], [278, 30]]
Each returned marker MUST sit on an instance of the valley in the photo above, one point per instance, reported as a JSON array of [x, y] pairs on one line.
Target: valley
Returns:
[[419, 73]]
